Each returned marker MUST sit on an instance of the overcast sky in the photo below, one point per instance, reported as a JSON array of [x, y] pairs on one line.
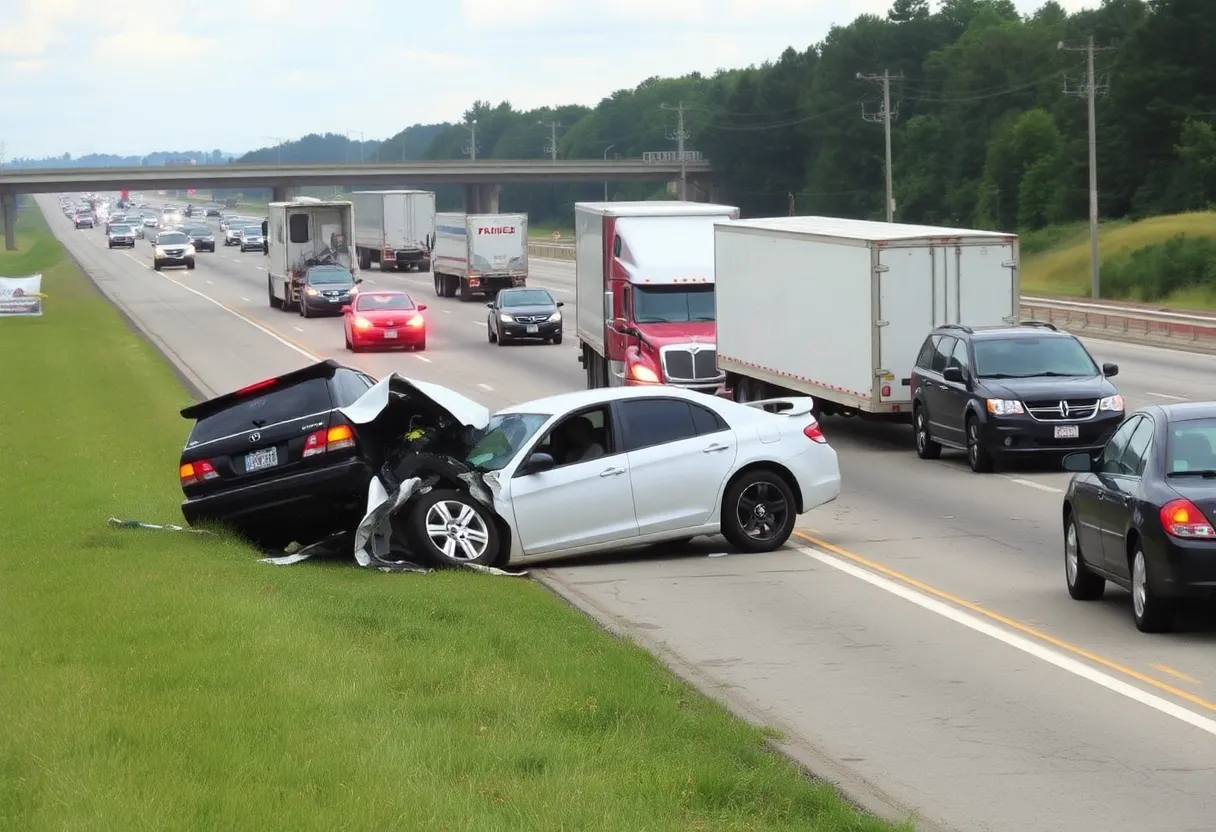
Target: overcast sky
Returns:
[[83, 76]]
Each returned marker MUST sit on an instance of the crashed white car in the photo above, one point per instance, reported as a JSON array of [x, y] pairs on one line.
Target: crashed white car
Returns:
[[580, 472]]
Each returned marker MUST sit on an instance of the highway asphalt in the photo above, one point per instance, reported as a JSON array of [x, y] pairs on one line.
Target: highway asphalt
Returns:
[[915, 642]]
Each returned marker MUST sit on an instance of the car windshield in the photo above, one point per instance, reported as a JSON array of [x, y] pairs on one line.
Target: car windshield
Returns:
[[172, 239], [252, 230], [1191, 447], [198, 232], [527, 297], [1024, 357], [673, 304], [120, 229], [371, 302], [503, 438], [328, 275]]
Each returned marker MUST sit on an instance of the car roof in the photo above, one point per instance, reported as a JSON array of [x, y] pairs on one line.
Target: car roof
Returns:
[[1184, 411], [563, 402], [986, 333]]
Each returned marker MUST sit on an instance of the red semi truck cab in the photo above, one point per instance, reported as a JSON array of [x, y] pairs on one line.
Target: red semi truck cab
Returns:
[[644, 292]]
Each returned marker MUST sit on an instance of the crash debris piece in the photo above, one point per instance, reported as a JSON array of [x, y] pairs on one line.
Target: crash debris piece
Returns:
[[139, 524]]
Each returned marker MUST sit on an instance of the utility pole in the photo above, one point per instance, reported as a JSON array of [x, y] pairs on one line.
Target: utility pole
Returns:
[[680, 136], [606, 149], [470, 149], [551, 147], [886, 116], [1090, 90]]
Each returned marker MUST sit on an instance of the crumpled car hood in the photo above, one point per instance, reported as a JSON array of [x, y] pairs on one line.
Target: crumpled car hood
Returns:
[[457, 407]]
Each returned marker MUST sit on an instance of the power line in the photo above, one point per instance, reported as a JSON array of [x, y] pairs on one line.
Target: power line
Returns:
[[680, 136], [886, 117]]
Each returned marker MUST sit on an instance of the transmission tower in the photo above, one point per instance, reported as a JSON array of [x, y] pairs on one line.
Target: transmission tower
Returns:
[[884, 116], [680, 136], [1090, 89]]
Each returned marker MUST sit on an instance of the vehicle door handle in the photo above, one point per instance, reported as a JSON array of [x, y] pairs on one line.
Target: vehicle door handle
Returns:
[[713, 449], [612, 472]]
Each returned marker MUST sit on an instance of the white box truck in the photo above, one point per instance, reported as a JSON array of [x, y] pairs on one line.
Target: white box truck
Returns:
[[302, 234], [395, 229], [838, 309], [478, 254]]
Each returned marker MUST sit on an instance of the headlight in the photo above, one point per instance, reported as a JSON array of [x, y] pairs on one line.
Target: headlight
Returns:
[[160, 251], [189, 250], [555, 317], [311, 291], [1112, 403], [1005, 407], [642, 373], [505, 318]]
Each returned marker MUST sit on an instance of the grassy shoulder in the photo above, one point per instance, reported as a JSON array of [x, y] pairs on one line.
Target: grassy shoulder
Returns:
[[1142, 260], [158, 679]]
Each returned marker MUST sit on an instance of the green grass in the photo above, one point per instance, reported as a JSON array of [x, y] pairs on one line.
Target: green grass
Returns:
[[543, 233], [158, 680], [1056, 260]]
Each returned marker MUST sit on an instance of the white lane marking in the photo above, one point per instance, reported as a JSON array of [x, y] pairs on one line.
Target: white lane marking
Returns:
[[1038, 486], [476, 323], [209, 283], [446, 311], [423, 358], [296, 328], [486, 387], [247, 300], [1167, 396], [1018, 642]]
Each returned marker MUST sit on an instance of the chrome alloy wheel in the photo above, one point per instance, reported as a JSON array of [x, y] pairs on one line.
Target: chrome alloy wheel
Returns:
[[456, 530]]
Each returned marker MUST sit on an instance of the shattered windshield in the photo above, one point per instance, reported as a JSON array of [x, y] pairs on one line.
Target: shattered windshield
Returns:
[[503, 438], [673, 304]]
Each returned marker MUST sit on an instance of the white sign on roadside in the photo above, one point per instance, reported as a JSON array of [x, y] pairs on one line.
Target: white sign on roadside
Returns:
[[21, 296]]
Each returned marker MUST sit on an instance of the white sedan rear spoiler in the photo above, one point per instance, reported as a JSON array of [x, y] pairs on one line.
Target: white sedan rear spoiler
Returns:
[[791, 406]]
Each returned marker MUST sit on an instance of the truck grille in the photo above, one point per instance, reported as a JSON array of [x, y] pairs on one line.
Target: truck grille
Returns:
[[682, 364], [1068, 410]]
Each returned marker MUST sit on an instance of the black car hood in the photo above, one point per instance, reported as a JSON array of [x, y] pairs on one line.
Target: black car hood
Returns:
[[1048, 388], [547, 309]]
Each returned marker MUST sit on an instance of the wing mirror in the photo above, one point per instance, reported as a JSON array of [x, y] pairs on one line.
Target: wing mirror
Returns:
[[538, 463], [954, 375], [422, 307], [1080, 462], [621, 326], [346, 310], [490, 305], [1109, 369], [358, 280], [560, 304]]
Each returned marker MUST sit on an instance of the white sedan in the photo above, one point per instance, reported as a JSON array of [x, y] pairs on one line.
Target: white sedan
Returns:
[[592, 470]]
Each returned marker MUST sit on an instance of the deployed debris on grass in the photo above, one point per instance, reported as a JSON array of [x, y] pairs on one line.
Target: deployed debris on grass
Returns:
[[137, 524]]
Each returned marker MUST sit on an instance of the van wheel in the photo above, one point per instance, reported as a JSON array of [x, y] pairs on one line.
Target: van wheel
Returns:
[[450, 528], [926, 448], [758, 512], [977, 455]]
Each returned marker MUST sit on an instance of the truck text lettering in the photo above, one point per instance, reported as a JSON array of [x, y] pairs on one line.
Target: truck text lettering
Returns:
[[510, 229]]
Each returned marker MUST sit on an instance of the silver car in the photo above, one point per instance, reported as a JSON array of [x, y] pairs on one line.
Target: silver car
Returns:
[[120, 236], [251, 238]]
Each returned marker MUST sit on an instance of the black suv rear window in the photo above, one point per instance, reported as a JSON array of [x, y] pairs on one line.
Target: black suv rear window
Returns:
[[303, 399]]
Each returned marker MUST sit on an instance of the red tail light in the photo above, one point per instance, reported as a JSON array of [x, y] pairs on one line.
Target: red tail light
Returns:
[[415, 322], [333, 439], [813, 433], [192, 473], [1181, 518]]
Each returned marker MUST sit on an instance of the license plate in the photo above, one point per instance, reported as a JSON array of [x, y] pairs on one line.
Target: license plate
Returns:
[[259, 460], [1067, 432], [533, 328], [390, 333]]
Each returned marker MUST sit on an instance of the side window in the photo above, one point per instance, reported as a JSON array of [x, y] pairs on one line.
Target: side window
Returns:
[[616, 246], [925, 359], [1112, 454], [1137, 448], [650, 422], [941, 354], [580, 437], [958, 358], [297, 228], [626, 303], [350, 386], [705, 421]]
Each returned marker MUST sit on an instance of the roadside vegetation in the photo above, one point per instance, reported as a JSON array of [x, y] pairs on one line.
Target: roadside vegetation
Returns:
[[1167, 260], [158, 679]]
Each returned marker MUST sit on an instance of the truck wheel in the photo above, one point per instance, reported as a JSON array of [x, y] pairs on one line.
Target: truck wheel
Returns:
[[424, 265], [438, 289], [275, 303], [365, 260], [926, 448]]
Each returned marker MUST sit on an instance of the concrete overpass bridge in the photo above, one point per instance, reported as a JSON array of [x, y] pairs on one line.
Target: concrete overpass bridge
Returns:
[[482, 179]]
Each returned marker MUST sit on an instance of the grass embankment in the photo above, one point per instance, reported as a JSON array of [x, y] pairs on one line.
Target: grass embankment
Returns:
[[1168, 260], [160, 680]]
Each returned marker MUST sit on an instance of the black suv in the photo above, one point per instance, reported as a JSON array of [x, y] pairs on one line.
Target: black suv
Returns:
[[1005, 391], [276, 460]]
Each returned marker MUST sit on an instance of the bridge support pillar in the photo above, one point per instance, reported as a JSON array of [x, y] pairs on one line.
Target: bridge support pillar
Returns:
[[9, 203], [282, 193], [481, 199]]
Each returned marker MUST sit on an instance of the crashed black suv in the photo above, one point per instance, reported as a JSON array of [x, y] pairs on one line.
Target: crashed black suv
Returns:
[[292, 460]]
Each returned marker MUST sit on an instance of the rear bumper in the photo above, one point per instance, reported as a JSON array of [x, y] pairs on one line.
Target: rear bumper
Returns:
[[315, 502], [1184, 568], [406, 337]]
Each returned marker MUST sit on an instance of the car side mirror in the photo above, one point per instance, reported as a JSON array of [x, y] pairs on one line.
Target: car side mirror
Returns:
[[346, 310], [560, 304], [422, 307], [490, 305], [1080, 462], [1109, 369], [954, 375], [358, 280], [538, 463]]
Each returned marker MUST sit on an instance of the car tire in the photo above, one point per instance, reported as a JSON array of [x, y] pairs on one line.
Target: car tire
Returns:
[[760, 500], [490, 336], [977, 455], [190, 264], [156, 265], [1150, 612], [1083, 583], [557, 339], [453, 517], [303, 307], [109, 245], [421, 346], [501, 340], [926, 448]]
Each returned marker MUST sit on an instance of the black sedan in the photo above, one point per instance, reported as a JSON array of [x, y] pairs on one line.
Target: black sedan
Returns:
[[202, 238], [518, 314], [1138, 513]]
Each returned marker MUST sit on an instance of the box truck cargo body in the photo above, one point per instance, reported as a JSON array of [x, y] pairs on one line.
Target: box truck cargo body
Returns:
[[644, 292], [302, 234], [838, 309], [479, 254], [395, 229]]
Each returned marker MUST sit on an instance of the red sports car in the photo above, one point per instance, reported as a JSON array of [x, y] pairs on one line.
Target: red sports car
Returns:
[[384, 319]]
